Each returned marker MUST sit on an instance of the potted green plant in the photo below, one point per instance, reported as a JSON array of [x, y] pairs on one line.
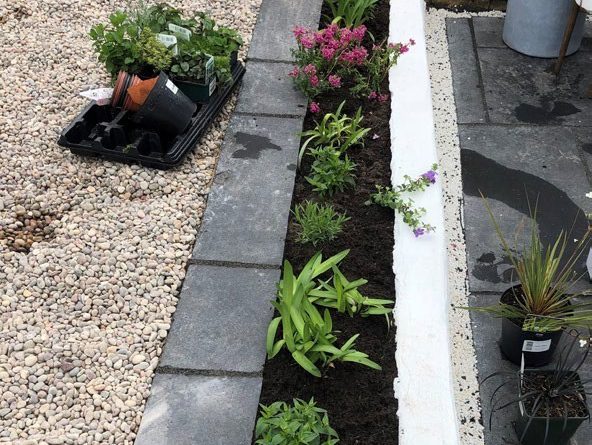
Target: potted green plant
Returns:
[[221, 42], [123, 45], [535, 312], [193, 73], [552, 403]]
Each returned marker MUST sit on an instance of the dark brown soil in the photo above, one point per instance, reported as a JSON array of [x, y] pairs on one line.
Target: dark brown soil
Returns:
[[359, 400], [569, 404]]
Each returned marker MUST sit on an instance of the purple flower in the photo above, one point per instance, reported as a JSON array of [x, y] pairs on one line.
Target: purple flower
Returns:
[[314, 107], [418, 232], [430, 176]]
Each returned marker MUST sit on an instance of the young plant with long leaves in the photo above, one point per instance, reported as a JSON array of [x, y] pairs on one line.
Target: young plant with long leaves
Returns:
[[544, 392], [306, 334], [343, 295], [546, 274], [351, 13], [317, 223], [337, 131]]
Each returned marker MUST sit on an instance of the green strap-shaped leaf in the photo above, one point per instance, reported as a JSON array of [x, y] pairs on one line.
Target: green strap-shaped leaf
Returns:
[[306, 364], [271, 333]]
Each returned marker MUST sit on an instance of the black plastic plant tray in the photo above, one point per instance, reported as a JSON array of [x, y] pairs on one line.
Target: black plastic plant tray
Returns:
[[107, 132]]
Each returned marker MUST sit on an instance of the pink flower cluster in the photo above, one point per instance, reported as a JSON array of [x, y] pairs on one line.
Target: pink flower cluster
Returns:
[[333, 41], [378, 97]]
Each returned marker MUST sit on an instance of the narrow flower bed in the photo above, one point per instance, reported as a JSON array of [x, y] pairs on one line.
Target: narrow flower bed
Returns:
[[358, 399]]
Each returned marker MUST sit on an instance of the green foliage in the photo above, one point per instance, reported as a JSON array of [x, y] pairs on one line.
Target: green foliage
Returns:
[[129, 43], [343, 295], [158, 17], [352, 13], [330, 172], [317, 223], [117, 44], [396, 199], [380, 60], [153, 52], [219, 42], [306, 334], [300, 423], [337, 131], [190, 64], [548, 301]]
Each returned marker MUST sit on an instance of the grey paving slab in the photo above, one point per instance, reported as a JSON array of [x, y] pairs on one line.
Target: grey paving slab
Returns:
[[465, 75], [584, 136], [507, 165], [273, 38], [488, 31], [486, 332], [520, 90], [221, 320], [199, 410], [268, 89], [248, 207]]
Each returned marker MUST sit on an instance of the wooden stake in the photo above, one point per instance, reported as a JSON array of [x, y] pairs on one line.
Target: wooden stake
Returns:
[[571, 24]]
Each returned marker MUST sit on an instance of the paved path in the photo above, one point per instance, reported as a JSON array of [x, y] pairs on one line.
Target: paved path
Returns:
[[519, 130], [206, 390]]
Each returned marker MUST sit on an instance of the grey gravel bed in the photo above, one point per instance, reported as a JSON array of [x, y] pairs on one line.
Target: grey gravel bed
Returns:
[[83, 314]]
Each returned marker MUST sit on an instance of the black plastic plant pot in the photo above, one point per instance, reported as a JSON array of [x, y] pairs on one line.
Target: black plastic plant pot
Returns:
[[538, 347], [197, 92], [233, 59], [560, 431], [166, 108], [111, 132]]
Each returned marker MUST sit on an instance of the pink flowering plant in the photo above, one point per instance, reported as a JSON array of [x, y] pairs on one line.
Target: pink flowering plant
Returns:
[[334, 57], [394, 198]]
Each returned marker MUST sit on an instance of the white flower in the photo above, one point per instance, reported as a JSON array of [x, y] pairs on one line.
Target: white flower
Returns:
[[589, 195]]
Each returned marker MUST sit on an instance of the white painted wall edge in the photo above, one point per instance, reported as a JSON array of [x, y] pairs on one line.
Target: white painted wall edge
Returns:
[[424, 385]]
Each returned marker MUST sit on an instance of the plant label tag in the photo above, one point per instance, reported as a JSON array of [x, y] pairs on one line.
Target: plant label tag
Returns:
[[179, 31], [169, 41], [212, 86], [209, 69], [102, 96], [171, 86], [536, 346]]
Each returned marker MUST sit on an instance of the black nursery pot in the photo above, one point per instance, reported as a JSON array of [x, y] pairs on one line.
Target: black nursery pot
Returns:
[[233, 59], [542, 344], [166, 108], [560, 430]]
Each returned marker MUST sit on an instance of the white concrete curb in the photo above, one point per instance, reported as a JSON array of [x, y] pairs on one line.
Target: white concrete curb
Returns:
[[424, 386]]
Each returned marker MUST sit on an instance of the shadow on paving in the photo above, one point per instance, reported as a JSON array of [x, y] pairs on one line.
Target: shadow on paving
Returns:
[[525, 136]]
